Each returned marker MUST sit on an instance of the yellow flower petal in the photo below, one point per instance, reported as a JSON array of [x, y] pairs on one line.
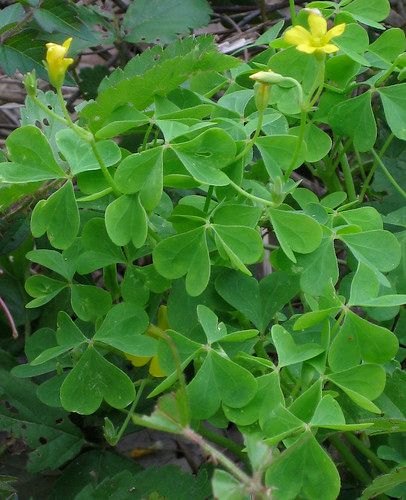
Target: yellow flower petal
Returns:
[[308, 49], [330, 48], [335, 31], [138, 360], [318, 25], [67, 43], [154, 368], [297, 35]]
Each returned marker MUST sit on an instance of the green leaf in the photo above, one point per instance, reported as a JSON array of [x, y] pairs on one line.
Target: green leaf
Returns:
[[301, 461], [318, 143], [385, 483], [23, 52], [394, 102], [359, 339], [31, 157], [213, 330], [185, 253], [364, 286], [379, 250], [121, 120], [203, 394], [52, 260], [363, 10], [367, 218], [51, 353], [237, 215], [259, 302], [43, 289], [49, 432], [58, 216], [354, 118], [126, 221], [10, 15], [242, 245], [98, 249], [123, 327], [319, 268], [266, 399], [354, 42], [276, 151], [329, 415], [389, 45], [226, 487], [156, 71], [205, 156], [362, 384], [93, 379], [288, 351], [236, 385], [68, 333], [296, 232], [79, 154], [142, 172], [90, 302], [161, 22], [279, 424]]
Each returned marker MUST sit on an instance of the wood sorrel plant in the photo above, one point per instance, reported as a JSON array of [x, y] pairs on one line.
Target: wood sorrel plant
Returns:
[[176, 182]]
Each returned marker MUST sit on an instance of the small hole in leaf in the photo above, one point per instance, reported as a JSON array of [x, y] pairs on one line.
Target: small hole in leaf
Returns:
[[43, 440], [45, 121]]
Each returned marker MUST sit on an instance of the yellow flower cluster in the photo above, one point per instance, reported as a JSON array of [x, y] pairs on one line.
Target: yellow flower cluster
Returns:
[[317, 40]]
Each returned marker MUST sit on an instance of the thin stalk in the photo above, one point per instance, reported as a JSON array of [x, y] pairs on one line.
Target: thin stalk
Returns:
[[208, 199], [84, 134], [251, 196], [302, 127], [131, 411], [349, 181], [374, 167], [251, 142], [254, 487], [104, 169], [146, 136], [388, 175], [367, 452], [350, 461], [292, 11], [223, 441], [49, 112], [95, 196], [386, 75]]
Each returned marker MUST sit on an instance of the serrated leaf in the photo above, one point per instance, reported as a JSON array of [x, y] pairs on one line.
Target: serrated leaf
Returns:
[[143, 20]]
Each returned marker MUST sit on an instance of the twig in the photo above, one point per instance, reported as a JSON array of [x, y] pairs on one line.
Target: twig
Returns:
[[10, 318]]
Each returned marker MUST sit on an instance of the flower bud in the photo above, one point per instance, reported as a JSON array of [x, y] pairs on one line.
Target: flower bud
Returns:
[[30, 83], [267, 77], [57, 63], [261, 92]]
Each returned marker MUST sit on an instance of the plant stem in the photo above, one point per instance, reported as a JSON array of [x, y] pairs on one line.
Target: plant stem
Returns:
[[350, 461], [349, 181], [95, 196], [292, 11], [374, 167], [49, 112], [251, 142], [104, 169], [222, 441], [251, 196], [208, 199], [367, 452], [146, 136], [386, 75], [302, 127], [131, 411], [84, 134], [389, 176]]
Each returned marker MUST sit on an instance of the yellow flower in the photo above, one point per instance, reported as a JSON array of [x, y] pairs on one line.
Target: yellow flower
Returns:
[[317, 39], [156, 332], [57, 63]]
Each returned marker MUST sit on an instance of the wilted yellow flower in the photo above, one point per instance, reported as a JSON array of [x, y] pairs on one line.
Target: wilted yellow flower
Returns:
[[57, 63], [153, 331], [317, 39]]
